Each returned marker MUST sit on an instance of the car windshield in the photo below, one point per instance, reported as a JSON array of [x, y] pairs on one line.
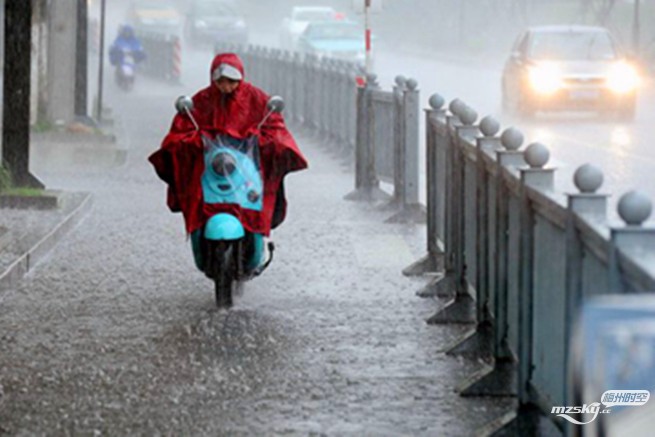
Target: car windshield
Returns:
[[336, 31], [314, 15], [216, 8], [572, 45]]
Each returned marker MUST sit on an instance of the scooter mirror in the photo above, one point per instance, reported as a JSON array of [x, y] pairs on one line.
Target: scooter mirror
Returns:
[[275, 104], [184, 104]]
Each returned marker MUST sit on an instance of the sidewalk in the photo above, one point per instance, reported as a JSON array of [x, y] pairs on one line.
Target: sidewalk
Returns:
[[366, 341], [28, 235], [330, 340]]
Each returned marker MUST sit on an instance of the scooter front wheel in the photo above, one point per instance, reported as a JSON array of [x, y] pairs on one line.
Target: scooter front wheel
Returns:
[[225, 282]]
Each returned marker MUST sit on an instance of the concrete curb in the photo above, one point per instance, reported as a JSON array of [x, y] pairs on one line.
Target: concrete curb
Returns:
[[27, 261]]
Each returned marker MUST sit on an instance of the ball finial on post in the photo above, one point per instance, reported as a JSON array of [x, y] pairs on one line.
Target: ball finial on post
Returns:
[[456, 107], [511, 138], [588, 178], [537, 155], [489, 126], [468, 116], [634, 208], [436, 101]]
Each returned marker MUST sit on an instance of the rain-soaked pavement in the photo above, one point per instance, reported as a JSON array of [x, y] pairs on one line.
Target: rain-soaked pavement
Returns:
[[116, 333]]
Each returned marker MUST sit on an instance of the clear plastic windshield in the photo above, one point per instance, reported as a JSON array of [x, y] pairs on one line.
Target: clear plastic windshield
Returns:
[[233, 172]]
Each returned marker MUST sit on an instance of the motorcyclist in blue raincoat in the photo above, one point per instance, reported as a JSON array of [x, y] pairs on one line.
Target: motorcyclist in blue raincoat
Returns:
[[126, 41]]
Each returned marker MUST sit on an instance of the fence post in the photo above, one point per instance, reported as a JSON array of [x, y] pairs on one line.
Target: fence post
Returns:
[[408, 157], [296, 86], [634, 209], [306, 100], [277, 71], [501, 379], [322, 99], [332, 107], [352, 117], [433, 261], [528, 418], [367, 185], [478, 342], [462, 308], [592, 207], [444, 285], [344, 104], [312, 92], [397, 92]]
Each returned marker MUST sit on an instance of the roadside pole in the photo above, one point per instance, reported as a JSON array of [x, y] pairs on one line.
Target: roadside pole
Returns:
[[367, 23], [101, 63], [82, 59], [16, 88]]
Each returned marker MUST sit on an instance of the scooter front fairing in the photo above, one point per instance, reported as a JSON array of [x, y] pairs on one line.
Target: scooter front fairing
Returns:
[[232, 175]]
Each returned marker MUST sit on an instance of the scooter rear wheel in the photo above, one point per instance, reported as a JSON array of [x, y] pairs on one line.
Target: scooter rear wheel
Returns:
[[225, 280]]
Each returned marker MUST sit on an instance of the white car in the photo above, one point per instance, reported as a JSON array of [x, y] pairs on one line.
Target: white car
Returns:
[[301, 16], [567, 68]]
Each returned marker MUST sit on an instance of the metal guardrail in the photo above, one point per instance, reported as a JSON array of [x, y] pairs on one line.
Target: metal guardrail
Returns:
[[515, 257], [388, 147], [519, 259]]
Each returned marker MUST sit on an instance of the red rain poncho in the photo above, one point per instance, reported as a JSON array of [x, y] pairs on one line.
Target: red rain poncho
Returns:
[[179, 161]]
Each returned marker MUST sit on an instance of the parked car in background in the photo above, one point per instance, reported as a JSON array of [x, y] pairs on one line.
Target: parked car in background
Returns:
[[215, 21], [569, 68], [301, 16], [160, 16], [334, 39]]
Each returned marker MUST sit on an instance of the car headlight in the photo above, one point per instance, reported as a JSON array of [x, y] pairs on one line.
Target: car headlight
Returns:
[[240, 24], [545, 78], [622, 78], [201, 24]]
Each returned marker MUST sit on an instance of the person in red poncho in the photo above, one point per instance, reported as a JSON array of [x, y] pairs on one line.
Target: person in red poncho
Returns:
[[229, 105]]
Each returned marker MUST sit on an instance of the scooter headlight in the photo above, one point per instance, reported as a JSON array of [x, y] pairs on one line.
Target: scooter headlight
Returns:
[[545, 78], [622, 78]]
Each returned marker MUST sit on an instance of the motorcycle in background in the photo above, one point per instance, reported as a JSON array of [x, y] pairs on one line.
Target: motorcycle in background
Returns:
[[125, 60], [125, 71], [223, 249]]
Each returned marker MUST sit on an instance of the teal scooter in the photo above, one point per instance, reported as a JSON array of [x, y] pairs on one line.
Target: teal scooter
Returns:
[[223, 249]]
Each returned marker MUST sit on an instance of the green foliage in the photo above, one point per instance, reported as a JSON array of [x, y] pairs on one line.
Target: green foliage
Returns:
[[5, 178], [42, 126], [24, 192]]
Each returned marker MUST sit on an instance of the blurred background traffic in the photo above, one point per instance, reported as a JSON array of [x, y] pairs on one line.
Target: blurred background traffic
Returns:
[[475, 26]]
